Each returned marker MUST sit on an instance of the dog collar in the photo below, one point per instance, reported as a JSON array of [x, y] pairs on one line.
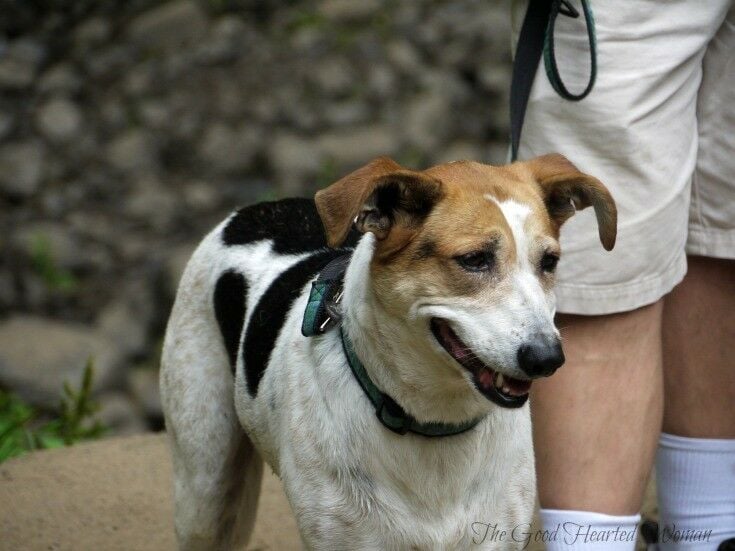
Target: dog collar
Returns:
[[322, 313]]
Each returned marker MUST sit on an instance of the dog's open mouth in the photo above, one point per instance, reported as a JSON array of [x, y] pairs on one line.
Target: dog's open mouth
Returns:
[[500, 388]]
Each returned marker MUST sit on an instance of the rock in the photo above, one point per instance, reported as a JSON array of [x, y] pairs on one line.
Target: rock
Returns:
[[7, 290], [346, 113], [59, 120], [143, 386], [292, 157], [169, 27], [403, 56], [382, 81], [228, 150], [223, 44], [52, 239], [133, 151], [127, 320], [19, 64], [152, 203], [462, 151], [175, 264], [427, 120], [6, 124], [109, 62], [120, 415], [334, 76], [60, 79], [344, 11], [354, 147], [38, 355], [21, 167], [201, 196], [155, 113], [91, 33]]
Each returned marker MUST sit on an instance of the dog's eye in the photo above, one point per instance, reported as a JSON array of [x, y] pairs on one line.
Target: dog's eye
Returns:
[[549, 262], [478, 261]]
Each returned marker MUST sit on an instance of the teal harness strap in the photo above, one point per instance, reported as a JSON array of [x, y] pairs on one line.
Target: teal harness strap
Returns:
[[389, 413], [322, 313]]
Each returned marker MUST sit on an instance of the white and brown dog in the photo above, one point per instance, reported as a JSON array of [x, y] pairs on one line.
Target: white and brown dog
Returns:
[[447, 315]]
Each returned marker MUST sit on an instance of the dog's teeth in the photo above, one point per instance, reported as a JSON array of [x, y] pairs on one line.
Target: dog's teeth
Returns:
[[506, 390], [499, 380]]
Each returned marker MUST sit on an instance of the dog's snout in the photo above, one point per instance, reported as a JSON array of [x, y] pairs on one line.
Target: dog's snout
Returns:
[[541, 356]]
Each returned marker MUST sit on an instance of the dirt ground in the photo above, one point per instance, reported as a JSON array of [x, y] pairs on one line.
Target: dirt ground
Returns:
[[115, 494], [112, 495]]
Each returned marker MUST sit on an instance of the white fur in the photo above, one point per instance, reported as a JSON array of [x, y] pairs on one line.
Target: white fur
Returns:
[[352, 484]]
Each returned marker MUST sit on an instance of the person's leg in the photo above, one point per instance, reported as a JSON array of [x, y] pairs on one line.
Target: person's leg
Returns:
[[699, 351], [695, 465], [596, 421]]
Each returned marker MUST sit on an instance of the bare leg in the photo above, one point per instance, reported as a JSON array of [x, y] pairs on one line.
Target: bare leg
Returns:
[[596, 421], [699, 351]]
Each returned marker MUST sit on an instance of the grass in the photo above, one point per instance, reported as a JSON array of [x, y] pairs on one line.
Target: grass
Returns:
[[21, 431], [45, 265]]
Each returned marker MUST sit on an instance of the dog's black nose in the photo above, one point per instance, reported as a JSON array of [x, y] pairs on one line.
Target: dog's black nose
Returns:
[[541, 356]]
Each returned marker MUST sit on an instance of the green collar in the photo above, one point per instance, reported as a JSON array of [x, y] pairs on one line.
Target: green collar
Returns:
[[389, 413], [322, 313]]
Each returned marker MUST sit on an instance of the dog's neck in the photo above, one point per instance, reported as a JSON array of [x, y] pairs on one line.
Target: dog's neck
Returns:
[[397, 355]]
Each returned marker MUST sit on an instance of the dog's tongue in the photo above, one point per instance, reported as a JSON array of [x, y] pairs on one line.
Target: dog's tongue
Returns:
[[458, 350]]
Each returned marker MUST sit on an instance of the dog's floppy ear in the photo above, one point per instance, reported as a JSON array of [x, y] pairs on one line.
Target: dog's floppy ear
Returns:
[[565, 190], [376, 198]]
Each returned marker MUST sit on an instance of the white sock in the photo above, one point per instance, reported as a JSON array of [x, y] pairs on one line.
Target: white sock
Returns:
[[586, 531], [696, 492]]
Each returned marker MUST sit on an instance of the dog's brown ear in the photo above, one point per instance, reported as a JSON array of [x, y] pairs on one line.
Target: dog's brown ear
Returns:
[[566, 190], [376, 198]]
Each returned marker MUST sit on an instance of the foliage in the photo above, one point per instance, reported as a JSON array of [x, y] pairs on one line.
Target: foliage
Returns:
[[45, 265], [20, 432]]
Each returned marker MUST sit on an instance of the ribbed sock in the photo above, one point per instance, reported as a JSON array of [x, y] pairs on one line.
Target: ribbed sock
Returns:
[[588, 531], [696, 492]]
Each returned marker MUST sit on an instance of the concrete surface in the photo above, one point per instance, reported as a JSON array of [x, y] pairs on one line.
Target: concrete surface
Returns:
[[115, 494]]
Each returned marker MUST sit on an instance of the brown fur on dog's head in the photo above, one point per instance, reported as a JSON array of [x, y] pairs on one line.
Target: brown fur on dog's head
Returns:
[[392, 202]]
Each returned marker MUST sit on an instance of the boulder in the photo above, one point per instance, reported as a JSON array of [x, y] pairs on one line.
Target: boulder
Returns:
[[120, 415], [353, 147], [133, 151], [170, 27], [19, 63], [38, 355], [59, 120], [21, 168]]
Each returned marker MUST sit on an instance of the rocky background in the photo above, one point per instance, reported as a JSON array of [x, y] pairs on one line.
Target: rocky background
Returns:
[[129, 128]]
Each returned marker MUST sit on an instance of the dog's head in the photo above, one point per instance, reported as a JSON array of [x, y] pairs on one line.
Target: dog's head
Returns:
[[466, 253]]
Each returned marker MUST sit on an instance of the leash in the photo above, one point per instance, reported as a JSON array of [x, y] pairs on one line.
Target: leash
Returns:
[[322, 313], [537, 39]]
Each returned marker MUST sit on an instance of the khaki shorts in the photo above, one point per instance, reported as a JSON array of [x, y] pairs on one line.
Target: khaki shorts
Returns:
[[658, 129]]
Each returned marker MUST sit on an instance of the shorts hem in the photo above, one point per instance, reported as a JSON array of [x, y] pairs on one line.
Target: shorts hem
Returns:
[[597, 300], [711, 242]]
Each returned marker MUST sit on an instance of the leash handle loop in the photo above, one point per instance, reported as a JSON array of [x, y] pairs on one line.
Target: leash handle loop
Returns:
[[536, 39]]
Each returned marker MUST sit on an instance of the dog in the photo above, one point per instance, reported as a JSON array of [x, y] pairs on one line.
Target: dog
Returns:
[[401, 421]]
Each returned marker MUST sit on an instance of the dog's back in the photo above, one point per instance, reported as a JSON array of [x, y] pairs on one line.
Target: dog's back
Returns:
[[245, 275]]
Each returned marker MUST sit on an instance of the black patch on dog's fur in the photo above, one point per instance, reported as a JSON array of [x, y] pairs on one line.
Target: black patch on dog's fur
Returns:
[[293, 225], [230, 296], [426, 249], [270, 313]]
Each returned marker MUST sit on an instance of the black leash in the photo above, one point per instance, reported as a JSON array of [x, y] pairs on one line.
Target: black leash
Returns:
[[537, 39]]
